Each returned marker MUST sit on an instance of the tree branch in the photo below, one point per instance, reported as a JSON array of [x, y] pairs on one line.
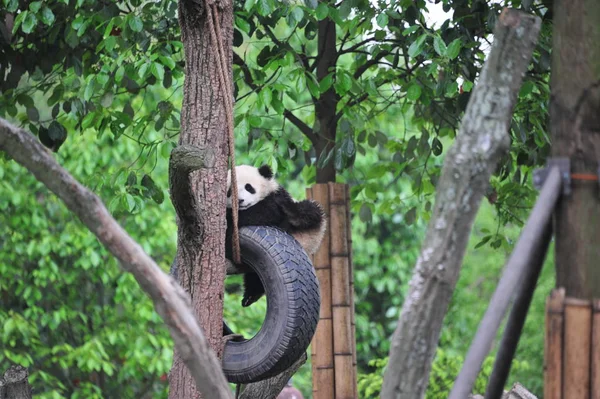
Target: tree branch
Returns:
[[483, 139], [170, 301], [184, 160], [373, 61], [304, 128]]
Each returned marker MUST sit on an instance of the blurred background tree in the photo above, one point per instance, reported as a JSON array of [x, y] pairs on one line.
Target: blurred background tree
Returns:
[[365, 92]]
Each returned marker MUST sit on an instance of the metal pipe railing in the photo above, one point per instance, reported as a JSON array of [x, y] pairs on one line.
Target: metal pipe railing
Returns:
[[516, 319], [520, 261]]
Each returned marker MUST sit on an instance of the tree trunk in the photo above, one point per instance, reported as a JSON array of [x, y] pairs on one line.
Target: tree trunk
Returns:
[[15, 384], [482, 140], [575, 126], [325, 106], [201, 240]]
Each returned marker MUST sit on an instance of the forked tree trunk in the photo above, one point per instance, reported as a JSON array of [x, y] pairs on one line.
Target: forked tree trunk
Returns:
[[483, 138], [575, 126], [201, 234]]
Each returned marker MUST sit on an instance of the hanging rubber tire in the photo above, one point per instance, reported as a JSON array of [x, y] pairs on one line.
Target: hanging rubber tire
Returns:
[[293, 303]]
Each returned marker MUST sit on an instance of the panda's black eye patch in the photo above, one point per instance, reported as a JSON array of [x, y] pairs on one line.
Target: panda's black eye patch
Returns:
[[229, 192], [250, 189]]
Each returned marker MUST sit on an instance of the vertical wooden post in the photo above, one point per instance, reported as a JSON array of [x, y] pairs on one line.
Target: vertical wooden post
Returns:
[[333, 348], [351, 271], [595, 375], [322, 343], [553, 344], [576, 361]]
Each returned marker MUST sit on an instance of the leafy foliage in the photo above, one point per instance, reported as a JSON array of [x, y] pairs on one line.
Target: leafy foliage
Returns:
[[372, 91], [85, 329]]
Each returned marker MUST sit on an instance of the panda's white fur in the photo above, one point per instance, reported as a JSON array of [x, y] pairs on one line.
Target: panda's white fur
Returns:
[[305, 220]]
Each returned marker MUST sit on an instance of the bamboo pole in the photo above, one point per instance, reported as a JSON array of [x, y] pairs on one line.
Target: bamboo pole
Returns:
[[553, 344], [595, 373], [340, 293], [577, 346], [351, 279], [322, 343]]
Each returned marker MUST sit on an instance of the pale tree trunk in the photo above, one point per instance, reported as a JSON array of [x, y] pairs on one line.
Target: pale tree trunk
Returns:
[[482, 140], [575, 126], [201, 233]]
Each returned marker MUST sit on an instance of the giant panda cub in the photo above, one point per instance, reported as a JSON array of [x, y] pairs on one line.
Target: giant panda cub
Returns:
[[263, 202]]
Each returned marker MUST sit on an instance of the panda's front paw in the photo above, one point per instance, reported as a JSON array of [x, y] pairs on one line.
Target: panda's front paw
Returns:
[[249, 299]]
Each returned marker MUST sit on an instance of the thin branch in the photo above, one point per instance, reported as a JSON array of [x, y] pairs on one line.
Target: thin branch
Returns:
[[373, 61], [304, 128], [170, 301]]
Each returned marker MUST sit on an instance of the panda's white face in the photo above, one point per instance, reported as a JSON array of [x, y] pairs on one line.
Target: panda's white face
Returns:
[[254, 184]]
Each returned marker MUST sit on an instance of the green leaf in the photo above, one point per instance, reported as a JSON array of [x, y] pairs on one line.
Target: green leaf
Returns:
[[313, 86], [345, 81], [382, 20], [167, 61], [242, 24], [110, 43], [35, 6], [322, 11], [526, 89], [107, 99], [130, 201], [365, 213], [89, 90], [57, 132], [33, 114], [135, 23], [297, 14], [158, 71], [144, 70], [439, 46], [29, 22], [25, 100], [437, 147], [414, 92], [344, 10], [453, 49], [467, 85], [47, 16], [88, 120], [153, 191], [483, 241], [265, 96], [410, 30], [11, 5], [417, 46], [119, 74]]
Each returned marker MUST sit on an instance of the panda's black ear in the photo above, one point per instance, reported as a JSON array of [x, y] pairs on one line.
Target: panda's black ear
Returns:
[[266, 172]]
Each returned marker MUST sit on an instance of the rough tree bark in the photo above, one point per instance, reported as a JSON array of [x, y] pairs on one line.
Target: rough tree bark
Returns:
[[575, 127], [171, 303], [482, 140], [201, 233], [15, 384]]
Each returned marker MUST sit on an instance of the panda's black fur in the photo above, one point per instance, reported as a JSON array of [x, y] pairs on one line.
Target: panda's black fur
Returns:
[[276, 209]]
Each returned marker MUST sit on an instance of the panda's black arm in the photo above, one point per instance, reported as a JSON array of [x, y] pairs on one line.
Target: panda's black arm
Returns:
[[304, 215], [265, 213]]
